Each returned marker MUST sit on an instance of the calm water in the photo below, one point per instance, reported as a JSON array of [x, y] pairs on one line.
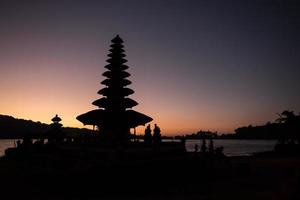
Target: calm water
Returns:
[[231, 147], [236, 147]]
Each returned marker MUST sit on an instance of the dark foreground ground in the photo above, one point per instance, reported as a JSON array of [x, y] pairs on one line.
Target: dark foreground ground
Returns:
[[159, 176]]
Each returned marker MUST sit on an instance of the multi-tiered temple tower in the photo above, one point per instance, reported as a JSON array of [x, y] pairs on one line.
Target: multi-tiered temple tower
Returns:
[[114, 118]]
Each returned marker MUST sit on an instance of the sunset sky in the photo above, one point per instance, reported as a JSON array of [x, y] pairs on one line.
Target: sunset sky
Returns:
[[194, 64]]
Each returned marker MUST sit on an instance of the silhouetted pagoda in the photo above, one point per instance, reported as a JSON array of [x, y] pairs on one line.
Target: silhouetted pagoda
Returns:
[[55, 133], [56, 121], [114, 118]]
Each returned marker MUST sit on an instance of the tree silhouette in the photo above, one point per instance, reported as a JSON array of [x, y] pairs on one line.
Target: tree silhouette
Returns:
[[286, 117], [292, 125]]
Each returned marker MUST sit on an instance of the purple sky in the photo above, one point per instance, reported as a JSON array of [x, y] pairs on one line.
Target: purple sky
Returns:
[[195, 64]]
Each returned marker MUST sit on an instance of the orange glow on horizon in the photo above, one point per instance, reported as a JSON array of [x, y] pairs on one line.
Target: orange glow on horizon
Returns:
[[40, 102], [57, 93], [41, 94]]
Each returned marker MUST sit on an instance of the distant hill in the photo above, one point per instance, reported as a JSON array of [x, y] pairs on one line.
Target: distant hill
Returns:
[[11, 128], [267, 131], [285, 128]]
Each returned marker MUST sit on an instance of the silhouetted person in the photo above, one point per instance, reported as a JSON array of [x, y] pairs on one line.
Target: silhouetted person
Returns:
[[203, 146], [196, 147], [183, 140], [219, 151], [18, 143], [148, 136], [211, 146], [27, 141], [156, 135]]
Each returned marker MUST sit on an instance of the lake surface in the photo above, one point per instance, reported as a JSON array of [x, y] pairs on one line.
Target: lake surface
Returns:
[[231, 147], [236, 147]]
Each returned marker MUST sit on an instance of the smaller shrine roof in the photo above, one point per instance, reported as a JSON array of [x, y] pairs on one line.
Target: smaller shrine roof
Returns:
[[56, 119]]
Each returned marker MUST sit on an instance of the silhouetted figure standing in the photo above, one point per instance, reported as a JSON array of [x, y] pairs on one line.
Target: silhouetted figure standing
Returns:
[[219, 151], [27, 141], [203, 146], [148, 136], [18, 143], [183, 140], [211, 146], [156, 135], [196, 148]]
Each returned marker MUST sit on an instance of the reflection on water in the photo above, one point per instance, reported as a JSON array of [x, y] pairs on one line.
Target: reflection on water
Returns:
[[231, 147]]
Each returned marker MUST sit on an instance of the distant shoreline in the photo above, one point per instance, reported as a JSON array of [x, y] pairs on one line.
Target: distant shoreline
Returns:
[[19, 138]]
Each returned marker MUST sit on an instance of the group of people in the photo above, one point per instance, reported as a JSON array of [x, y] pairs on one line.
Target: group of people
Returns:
[[211, 149], [152, 139]]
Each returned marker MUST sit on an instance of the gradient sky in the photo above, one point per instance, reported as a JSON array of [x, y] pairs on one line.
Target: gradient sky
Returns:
[[195, 64]]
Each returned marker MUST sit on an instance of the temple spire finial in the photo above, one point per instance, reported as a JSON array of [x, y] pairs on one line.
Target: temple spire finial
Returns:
[[117, 39]]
